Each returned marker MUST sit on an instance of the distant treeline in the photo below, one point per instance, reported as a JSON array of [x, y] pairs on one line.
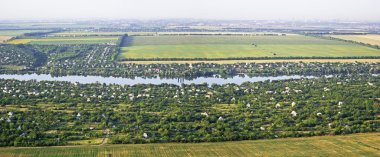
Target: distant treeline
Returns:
[[122, 40], [42, 33], [335, 33], [244, 58]]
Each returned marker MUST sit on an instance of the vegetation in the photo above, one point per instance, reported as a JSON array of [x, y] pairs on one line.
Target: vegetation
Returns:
[[84, 34], [170, 46], [343, 98], [16, 32], [55, 113], [349, 145], [65, 40], [89, 59], [251, 61], [366, 39], [20, 55]]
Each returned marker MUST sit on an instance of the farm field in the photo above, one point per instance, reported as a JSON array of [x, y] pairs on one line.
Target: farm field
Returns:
[[11, 67], [84, 33], [14, 33], [368, 39], [345, 146], [74, 40], [239, 46], [256, 61], [87, 33]]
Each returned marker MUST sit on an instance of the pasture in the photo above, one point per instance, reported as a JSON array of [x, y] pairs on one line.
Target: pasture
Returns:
[[344, 146], [64, 40], [367, 39], [223, 46]]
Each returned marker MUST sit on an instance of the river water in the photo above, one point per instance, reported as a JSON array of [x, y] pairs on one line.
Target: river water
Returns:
[[140, 80]]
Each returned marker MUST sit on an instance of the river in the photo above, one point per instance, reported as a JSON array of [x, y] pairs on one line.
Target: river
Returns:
[[140, 80]]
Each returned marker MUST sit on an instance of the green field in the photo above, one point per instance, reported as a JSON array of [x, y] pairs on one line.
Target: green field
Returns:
[[88, 33], [344, 146], [254, 61], [14, 33], [65, 40], [239, 46]]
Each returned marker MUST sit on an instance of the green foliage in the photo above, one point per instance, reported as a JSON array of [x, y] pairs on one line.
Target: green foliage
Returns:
[[187, 113], [151, 47]]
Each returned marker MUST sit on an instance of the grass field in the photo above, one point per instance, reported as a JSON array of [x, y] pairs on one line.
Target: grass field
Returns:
[[14, 33], [73, 40], [12, 67], [256, 61], [83, 33], [344, 146], [368, 39], [239, 46], [86, 33], [95, 141]]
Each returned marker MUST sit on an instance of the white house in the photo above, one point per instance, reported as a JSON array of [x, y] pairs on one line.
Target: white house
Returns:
[[248, 105], [145, 135], [278, 105], [293, 113], [220, 118], [204, 114], [293, 104]]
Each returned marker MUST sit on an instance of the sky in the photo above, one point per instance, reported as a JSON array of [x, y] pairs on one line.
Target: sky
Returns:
[[354, 10]]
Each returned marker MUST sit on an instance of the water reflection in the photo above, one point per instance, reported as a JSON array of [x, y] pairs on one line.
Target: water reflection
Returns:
[[154, 80]]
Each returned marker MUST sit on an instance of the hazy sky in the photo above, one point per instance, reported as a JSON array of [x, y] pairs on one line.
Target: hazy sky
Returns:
[[202, 9]]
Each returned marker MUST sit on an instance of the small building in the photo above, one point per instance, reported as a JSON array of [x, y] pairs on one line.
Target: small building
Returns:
[[278, 105], [145, 135], [220, 118], [294, 113], [293, 104], [204, 114], [248, 105]]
